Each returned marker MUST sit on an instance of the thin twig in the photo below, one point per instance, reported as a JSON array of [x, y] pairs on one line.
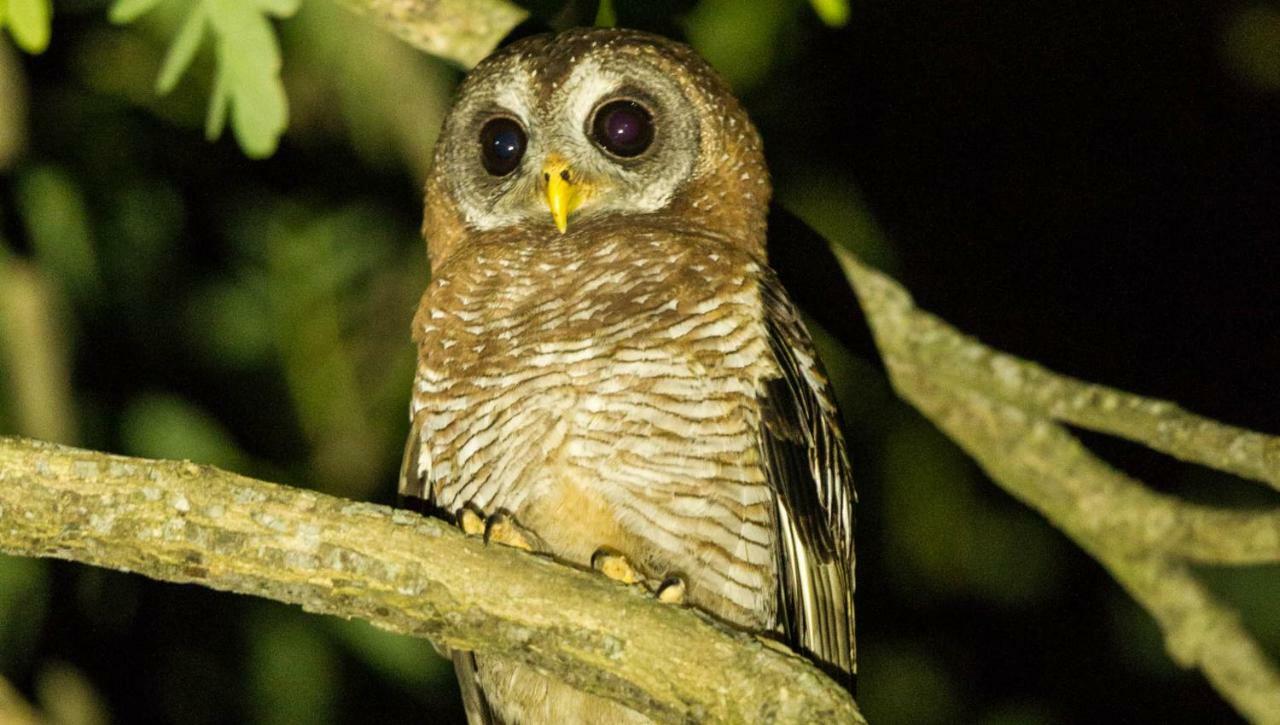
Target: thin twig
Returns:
[[951, 356]]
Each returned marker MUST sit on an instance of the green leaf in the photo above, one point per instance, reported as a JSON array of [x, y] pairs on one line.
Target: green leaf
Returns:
[[249, 58], [127, 11], [740, 38], [4, 7], [217, 118], [248, 40], [833, 13], [60, 230], [259, 115], [183, 50], [279, 8], [29, 22], [606, 16]]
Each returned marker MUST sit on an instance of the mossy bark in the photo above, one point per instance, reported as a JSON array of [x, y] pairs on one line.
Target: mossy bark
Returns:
[[182, 522]]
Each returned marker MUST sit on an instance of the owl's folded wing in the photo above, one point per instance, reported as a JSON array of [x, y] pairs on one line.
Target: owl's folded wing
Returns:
[[413, 472], [808, 469]]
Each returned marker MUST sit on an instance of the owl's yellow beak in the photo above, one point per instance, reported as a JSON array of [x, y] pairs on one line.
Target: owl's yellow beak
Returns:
[[565, 190]]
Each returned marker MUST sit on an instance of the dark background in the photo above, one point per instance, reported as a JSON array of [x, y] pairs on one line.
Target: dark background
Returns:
[[1094, 186]]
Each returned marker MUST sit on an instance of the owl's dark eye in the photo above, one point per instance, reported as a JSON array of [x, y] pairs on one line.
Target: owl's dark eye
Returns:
[[502, 144], [623, 128]]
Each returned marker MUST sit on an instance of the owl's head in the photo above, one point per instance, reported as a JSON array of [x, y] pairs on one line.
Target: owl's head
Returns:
[[559, 133]]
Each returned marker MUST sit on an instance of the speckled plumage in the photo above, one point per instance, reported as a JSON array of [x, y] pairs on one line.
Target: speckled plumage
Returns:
[[639, 382]]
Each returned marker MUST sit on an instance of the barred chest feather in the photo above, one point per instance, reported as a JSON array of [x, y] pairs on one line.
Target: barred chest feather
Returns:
[[603, 389]]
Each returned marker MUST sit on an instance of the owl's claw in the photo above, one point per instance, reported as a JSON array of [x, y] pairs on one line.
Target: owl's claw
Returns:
[[618, 567], [471, 520], [614, 565], [671, 590], [500, 528], [503, 528]]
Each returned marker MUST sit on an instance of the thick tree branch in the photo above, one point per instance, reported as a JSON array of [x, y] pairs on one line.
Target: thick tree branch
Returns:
[[1001, 410], [462, 31], [181, 522]]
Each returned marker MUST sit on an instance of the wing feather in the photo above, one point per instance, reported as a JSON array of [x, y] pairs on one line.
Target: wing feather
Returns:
[[808, 469], [416, 493], [415, 466]]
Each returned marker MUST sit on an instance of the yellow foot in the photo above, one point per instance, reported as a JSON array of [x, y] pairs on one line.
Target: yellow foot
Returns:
[[614, 565], [471, 520], [502, 528], [671, 590]]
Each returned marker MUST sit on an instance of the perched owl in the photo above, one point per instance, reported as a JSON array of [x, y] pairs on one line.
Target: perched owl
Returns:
[[609, 372]]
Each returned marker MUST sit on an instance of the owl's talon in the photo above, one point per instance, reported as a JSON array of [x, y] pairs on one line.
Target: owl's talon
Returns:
[[471, 520], [502, 528], [614, 565], [671, 590]]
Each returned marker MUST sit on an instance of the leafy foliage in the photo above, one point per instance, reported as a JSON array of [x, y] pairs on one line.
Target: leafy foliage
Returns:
[[28, 22], [835, 13], [247, 85]]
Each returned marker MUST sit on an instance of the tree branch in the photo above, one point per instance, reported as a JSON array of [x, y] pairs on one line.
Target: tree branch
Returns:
[[1158, 424], [14, 710], [461, 31], [180, 522], [1001, 410], [1078, 491]]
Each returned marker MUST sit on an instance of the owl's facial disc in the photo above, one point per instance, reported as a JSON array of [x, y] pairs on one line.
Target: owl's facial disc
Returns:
[[536, 141]]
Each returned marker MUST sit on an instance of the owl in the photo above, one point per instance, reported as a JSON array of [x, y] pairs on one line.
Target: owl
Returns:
[[609, 372]]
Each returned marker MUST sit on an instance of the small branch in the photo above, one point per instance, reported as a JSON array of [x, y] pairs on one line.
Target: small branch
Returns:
[[1002, 411], [1044, 466], [1083, 494], [1200, 631], [461, 31], [180, 522], [951, 356], [14, 710]]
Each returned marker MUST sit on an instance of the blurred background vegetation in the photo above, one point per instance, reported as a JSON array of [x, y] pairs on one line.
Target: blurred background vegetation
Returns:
[[1095, 186]]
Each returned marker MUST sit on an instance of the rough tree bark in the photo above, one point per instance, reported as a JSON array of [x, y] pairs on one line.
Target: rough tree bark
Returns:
[[1008, 413], [181, 522]]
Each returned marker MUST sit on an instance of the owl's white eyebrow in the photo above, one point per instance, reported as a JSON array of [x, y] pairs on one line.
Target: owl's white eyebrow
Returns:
[[513, 95], [586, 85]]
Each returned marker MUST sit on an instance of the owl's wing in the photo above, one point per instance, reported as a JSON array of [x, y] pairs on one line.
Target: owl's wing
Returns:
[[415, 493], [808, 469], [413, 467], [473, 698]]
